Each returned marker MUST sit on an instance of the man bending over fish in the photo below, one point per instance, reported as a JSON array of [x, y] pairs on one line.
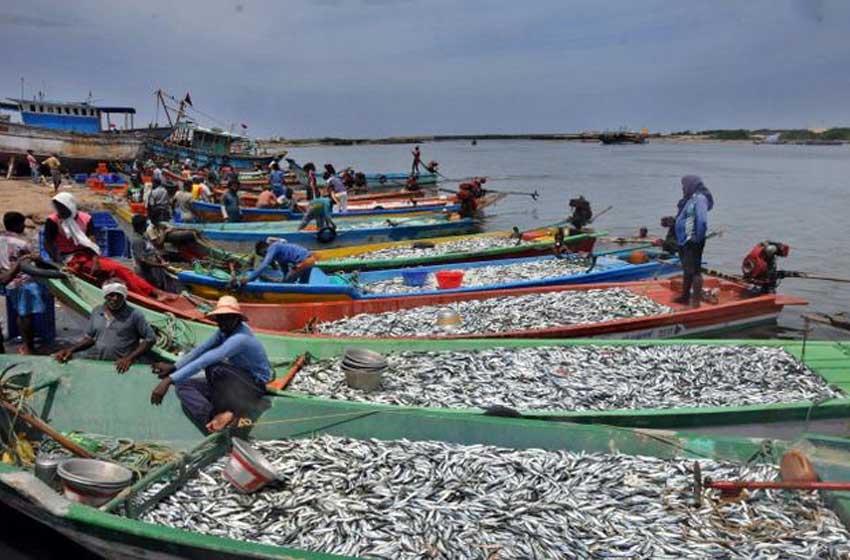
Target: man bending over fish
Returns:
[[236, 370], [295, 261]]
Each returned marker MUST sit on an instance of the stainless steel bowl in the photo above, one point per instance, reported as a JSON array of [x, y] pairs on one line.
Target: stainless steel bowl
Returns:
[[448, 317]]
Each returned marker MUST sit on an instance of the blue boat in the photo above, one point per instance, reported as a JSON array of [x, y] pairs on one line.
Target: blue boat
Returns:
[[376, 182], [323, 287], [241, 237], [204, 146], [209, 212]]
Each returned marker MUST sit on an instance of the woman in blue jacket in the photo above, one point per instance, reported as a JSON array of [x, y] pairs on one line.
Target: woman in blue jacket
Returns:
[[691, 227]]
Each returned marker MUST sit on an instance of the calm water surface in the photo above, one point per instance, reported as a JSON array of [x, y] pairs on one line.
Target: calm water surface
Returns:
[[799, 195]]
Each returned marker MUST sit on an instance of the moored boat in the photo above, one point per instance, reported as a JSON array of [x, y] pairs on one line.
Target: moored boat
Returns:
[[82, 396], [505, 274], [73, 131], [241, 237]]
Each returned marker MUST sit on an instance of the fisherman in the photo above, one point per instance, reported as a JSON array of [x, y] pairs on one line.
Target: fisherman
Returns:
[[319, 209], [417, 160], [156, 174], [296, 261], [361, 185], [468, 202], [183, 202], [267, 198], [691, 227], [230, 209], [116, 331], [312, 183], [149, 262], [412, 184], [336, 186], [159, 201], [200, 191], [68, 234], [33, 163], [55, 167], [226, 171], [276, 178], [22, 292], [236, 370], [582, 214]]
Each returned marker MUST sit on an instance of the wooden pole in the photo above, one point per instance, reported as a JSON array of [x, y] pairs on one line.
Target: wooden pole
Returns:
[[11, 170], [45, 428]]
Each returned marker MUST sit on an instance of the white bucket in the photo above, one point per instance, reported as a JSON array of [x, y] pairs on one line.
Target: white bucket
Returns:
[[247, 470]]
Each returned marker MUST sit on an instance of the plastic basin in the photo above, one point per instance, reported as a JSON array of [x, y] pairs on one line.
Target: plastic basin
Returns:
[[414, 278], [448, 279], [247, 470]]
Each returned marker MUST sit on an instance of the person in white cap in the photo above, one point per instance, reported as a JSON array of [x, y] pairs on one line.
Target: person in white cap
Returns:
[[236, 370], [115, 330]]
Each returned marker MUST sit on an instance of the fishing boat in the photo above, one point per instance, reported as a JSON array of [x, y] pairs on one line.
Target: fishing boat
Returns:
[[71, 130], [241, 237], [82, 397], [211, 213], [446, 250], [504, 274], [733, 308], [204, 146], [828, 360], [376, 182]]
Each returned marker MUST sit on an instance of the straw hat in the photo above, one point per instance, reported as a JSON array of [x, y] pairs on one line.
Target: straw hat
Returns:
[[227, 305]]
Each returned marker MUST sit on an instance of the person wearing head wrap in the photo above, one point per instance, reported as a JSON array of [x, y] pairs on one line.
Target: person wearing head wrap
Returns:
[[68, 240], [236, 370], [115, 331], [691, 227]]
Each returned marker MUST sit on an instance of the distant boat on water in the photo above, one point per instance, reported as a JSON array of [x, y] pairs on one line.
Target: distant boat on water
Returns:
[[72, 130], [624, 137]]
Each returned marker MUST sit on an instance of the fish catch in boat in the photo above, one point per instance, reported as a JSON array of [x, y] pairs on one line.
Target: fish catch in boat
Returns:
[[425, 249], [423, 499], [487, 275], [580, 378], [509, 313]]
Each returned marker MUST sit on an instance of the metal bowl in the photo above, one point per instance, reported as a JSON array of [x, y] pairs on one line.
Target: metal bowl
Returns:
[[361, 357], [95, 474], [447, 317]]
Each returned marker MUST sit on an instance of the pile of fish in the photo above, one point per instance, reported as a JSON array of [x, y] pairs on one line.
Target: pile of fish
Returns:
[[488, 275], [580, 378], [405, 500], [425, 249], [510, 313]]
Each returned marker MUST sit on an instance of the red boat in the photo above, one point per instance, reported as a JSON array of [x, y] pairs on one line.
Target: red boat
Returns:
[[732, 306]]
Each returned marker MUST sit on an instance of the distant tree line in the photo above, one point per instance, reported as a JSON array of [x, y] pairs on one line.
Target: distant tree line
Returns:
[[785, 135]]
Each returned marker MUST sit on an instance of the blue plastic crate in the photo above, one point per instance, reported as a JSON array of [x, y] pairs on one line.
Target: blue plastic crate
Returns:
[[113, 243], [103, 220], [44, 324], [80, 178]]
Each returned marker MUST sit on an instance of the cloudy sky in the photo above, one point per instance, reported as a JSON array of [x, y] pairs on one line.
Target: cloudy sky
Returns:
[[301, 68]]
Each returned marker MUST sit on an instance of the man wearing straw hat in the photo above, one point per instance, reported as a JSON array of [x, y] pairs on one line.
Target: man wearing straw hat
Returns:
[[115, 330], [236, 370]]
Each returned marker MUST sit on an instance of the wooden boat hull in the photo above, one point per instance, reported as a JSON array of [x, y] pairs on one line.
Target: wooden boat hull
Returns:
[[89, 392], [243, 240], [78, 152], [330, 289], [170, 152], [211, 213], [735, 309]]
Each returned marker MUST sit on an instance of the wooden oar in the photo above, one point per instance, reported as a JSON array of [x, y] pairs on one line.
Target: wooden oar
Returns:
[[534, 195], [47, 430]]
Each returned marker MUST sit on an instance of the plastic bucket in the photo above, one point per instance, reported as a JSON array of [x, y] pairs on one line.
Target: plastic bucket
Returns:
[[414, 278], [91, 481], [448, 279], [247, 470]]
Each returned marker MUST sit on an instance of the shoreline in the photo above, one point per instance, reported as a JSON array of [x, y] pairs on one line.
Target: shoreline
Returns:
[[273, 145]]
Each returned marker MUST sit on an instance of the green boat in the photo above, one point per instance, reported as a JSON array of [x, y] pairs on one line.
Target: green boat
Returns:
[[829, 360], [90, 397], [516, 250]]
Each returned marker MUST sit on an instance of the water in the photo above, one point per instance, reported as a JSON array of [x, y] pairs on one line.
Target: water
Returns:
[[795, 194]]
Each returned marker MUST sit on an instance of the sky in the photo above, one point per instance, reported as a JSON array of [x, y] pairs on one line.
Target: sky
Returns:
[[371, 68]]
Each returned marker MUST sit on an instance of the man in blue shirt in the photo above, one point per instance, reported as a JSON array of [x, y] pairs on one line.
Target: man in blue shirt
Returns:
[[276, 180], [691, 227], [236, 370], [294, 260]]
